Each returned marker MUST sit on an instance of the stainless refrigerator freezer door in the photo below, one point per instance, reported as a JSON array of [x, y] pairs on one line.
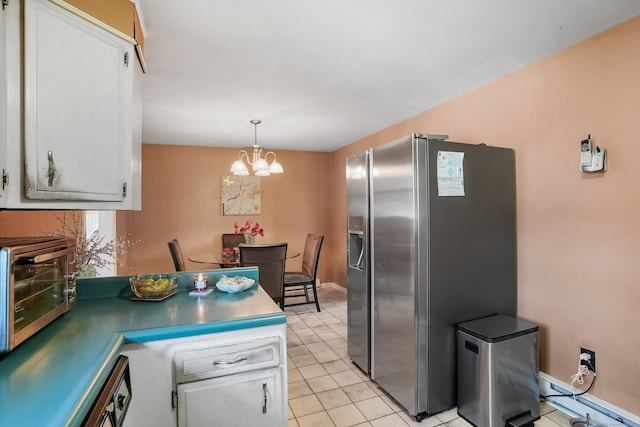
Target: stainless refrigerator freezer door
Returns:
[[394, 351], [358, 300]]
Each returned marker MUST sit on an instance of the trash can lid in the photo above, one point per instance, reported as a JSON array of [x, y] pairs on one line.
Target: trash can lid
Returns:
[[497, 328]]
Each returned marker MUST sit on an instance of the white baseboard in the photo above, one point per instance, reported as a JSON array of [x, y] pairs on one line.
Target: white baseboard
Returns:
[[602, 413], [331, 285]]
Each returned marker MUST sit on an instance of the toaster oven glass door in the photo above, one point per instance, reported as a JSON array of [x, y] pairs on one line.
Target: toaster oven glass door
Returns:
[[40, 287]]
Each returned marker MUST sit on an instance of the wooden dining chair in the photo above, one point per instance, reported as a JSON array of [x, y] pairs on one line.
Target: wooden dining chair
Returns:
[[176, 254], [232, 240], [296, 283], [270, 260]]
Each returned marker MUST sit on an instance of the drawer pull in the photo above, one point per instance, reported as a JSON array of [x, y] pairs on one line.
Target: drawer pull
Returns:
[[240, 358], [264, 402]]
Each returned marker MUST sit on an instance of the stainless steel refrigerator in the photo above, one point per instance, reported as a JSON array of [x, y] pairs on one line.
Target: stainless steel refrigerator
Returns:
[[431, 243]]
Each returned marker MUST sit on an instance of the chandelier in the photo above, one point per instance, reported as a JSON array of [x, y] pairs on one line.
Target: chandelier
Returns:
[[258, 163]]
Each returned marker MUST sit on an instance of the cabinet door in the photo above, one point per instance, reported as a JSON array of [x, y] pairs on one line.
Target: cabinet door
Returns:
[[253, 398], [78, 96]]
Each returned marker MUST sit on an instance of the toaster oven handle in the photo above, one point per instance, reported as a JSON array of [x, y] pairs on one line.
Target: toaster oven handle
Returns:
[[48, 256]]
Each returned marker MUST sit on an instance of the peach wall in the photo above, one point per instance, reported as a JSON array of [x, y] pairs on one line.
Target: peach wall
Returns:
[[18, 223], [181, 199], [578, 233], [117, 13]]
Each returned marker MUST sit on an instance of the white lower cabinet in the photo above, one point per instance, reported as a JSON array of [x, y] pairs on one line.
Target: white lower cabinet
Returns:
[[235, 378], [248, 399]]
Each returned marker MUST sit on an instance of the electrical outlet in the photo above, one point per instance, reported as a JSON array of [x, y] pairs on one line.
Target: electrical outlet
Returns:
[[591, 363]]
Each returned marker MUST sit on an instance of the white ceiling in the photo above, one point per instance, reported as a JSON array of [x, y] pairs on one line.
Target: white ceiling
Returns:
[[323, 74]]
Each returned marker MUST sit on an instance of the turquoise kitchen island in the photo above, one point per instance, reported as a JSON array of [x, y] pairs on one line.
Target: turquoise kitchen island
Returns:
[[53, 377]]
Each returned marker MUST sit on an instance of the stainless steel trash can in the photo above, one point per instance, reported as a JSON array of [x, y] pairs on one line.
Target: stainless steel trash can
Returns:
[[498, 372]]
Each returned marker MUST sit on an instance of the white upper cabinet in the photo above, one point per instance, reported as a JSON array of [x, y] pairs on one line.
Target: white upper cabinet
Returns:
[[80, 133], [78, 93]]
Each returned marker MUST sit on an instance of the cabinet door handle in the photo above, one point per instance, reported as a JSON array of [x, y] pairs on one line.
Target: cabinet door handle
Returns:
[[240, 358], [264, 402], [51, 173]]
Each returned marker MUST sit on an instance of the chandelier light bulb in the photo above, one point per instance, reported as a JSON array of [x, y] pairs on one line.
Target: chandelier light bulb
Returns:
[[239, 168], [275, 167]]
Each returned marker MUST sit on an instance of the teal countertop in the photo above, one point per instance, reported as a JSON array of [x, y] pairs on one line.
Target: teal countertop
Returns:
[[53, 377]]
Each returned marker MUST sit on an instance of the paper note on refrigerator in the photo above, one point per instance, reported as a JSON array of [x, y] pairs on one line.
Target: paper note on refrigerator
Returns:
[[450, 173]]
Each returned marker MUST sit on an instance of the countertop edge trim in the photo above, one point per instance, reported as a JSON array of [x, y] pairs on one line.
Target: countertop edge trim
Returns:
[[93, 388], [157, 334]]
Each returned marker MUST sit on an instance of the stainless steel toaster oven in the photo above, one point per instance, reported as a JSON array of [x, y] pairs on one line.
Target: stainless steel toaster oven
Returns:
[[37, 285]]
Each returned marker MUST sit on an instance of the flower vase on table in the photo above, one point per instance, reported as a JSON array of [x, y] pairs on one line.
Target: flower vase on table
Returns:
[[228, 257], [250, 231]]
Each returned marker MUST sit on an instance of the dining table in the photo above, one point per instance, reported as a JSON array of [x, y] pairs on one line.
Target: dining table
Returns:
[[217, 260]]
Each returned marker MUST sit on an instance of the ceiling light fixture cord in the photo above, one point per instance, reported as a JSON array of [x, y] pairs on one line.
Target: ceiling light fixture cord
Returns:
[[255, 123]]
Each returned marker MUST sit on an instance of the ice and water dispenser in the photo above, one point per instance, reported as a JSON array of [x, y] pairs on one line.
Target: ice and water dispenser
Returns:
[[356, 248]]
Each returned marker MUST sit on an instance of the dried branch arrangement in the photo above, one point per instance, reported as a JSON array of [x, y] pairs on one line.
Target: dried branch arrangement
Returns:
[[93, 251]]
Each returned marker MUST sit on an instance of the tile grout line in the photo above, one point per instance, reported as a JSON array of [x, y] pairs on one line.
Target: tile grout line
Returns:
[[334, 309]]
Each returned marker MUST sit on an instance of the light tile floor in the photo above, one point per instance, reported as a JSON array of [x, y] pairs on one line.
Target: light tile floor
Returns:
[[326, 389]]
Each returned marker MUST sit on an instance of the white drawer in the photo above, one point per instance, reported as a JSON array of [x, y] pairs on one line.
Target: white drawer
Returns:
[[210, 362]]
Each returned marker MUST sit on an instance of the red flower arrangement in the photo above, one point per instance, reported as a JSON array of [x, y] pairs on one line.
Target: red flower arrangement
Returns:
[[249, 229], [228, 256]]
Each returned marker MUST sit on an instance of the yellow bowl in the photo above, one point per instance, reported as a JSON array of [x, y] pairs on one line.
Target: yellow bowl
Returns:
[[153, 285]]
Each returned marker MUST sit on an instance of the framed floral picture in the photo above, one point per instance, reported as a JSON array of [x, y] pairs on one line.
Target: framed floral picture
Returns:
[[240, 195]]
